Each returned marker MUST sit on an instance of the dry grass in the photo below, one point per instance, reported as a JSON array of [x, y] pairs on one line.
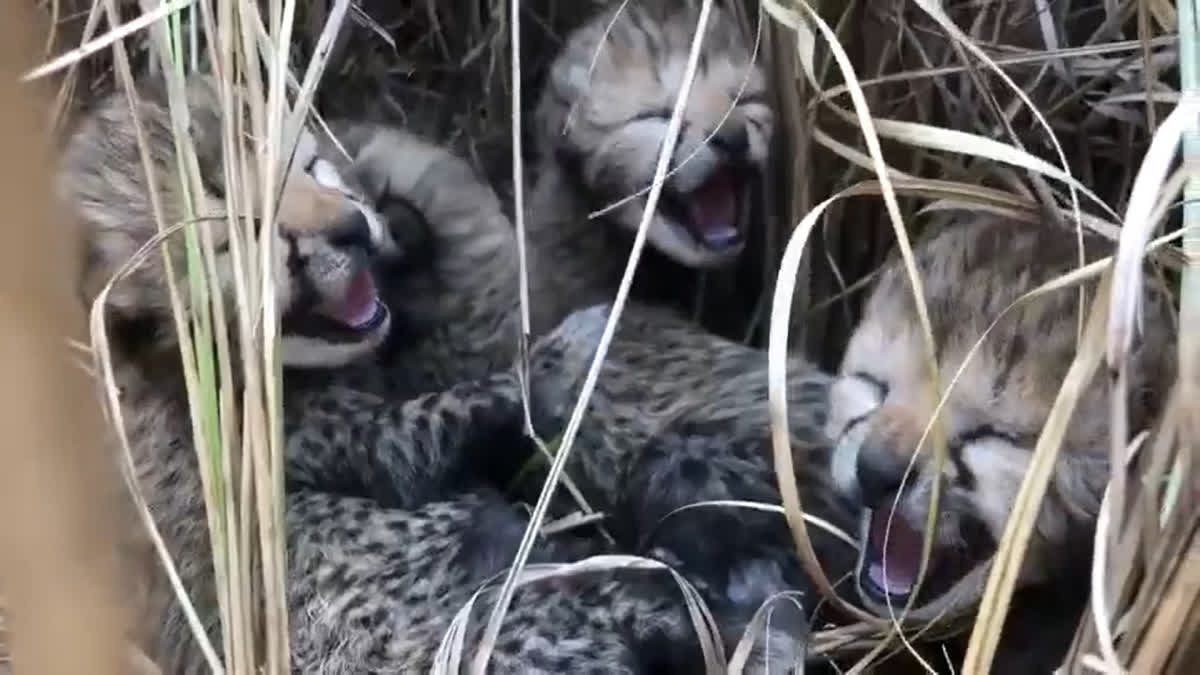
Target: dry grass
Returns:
[[65, 574], [1036, 109]]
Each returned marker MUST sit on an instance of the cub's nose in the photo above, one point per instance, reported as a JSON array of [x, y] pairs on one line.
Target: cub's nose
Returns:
[[352, 231], [880, 472], [734, 141]]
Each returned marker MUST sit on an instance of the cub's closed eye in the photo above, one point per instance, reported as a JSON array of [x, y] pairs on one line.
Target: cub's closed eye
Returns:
[[751, 98], [985, 431], [663, 114], [880, 386]]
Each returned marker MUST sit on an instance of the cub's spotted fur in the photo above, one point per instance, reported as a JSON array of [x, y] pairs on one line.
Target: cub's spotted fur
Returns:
[[972, 271], [389, 527], [600, 124]]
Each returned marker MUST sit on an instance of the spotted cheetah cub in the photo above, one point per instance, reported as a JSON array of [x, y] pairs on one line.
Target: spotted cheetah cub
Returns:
[[972, 270], [455, 294], [600, 123], [390, 525]]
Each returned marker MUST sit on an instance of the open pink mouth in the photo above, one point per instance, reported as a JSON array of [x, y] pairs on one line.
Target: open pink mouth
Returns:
[[891, 560], [712, 211], [361, 308]]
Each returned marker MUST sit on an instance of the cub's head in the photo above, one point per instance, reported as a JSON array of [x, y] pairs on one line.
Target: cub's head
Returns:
[[326, 237], [880, 407], [603, 117]]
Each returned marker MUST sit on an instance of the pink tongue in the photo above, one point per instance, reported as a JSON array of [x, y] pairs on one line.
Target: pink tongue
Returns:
[[903, 553], [712, 210], [358, 307]]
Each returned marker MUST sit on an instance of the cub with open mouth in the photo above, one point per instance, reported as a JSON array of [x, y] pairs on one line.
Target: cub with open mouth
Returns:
[[600, 124], [973, 269], [334, 312]]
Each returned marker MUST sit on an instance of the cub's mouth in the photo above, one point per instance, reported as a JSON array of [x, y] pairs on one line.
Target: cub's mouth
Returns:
[[354, 316], [711, 213], [890, 563]]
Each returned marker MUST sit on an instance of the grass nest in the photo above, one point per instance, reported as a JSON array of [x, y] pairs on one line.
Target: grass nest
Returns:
[[1081, 85]]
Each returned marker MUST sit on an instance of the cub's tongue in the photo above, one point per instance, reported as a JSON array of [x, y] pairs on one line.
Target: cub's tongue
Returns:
[[903, 553], [712, 211], [358, 307]]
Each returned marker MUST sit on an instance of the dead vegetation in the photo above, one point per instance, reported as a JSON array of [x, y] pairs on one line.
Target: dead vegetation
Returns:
[[1037, 109], [65, 570]]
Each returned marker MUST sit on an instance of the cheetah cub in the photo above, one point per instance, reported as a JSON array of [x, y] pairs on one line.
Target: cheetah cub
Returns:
[[599, 126], [455, 294], [390, 526], [972, 270]]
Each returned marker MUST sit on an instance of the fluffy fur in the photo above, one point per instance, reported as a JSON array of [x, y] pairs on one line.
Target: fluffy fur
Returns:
[[390, 526], [600, 123], [972, 270]]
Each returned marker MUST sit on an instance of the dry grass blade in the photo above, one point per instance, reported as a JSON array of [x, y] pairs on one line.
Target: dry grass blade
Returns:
[[777, 354], [756, 506], [1128, 287], [1138, 226], [1189, 312], [518, 169], [951, 140], [120, 32]]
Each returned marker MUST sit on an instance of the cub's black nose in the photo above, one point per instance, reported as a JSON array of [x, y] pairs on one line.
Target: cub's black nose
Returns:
[[734, 141], [880, 473], [352, 231]]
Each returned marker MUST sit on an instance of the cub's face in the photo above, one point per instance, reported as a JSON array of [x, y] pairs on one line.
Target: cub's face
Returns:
[[327, 236], [881, 406], [329, 239], [604, 114]]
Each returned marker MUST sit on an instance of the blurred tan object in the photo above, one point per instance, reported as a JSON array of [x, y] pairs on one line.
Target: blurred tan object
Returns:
[[59, 488]]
